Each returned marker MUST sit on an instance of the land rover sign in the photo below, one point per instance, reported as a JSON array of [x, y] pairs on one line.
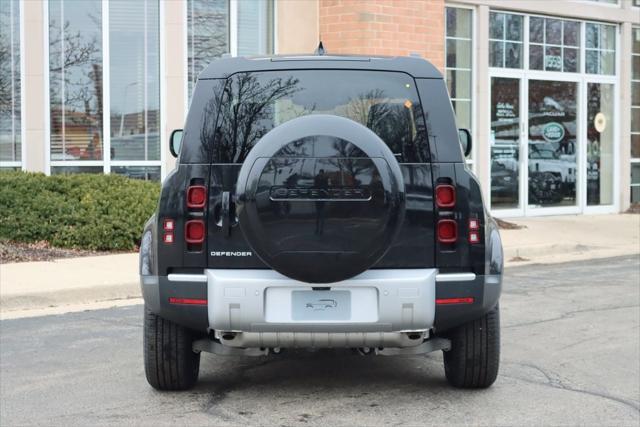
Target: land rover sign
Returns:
[[553, 132]]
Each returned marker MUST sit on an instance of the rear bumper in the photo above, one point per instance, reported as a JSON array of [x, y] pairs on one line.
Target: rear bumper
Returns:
[[241, 301]]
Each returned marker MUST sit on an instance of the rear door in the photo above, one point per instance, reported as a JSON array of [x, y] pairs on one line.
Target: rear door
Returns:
[[254, 103]]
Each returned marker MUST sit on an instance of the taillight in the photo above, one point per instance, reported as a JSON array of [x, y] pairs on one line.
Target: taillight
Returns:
[[445, 196], [474, 230], [168, 226], [194, 231], [447, 231], [196, 196]]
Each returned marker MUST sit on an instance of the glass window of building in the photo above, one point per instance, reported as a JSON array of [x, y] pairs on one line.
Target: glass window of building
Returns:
[[75, 80], [600, 48], [10, 102], [209, 27], [255, 27], [134, 65], [635, 115], [459, 62], [554, 44], [208, 34], [505, 40]]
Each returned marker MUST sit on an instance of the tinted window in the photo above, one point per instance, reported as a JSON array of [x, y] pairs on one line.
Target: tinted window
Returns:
[[385, 102]]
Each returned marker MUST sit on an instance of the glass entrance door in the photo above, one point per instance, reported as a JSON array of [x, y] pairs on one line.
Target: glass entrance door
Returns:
[[600, 137], [505, 143], [552, 149]]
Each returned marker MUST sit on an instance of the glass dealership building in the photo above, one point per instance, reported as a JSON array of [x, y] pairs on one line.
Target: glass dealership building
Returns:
[[549, 89]]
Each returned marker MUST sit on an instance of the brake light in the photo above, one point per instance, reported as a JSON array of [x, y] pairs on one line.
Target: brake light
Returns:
[[194, 231], [196, 196], [445, 196], [447, 231]]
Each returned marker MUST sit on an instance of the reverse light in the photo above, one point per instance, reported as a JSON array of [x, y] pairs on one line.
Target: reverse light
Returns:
[[196, 196], [447, 231], [445, 196], [474, 230], [194, 231], [168, 226]]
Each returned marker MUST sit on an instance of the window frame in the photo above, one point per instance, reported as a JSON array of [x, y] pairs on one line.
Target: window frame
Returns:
[[633, 160], [233, 39], [471, 160], [19, 164], [106, 163]]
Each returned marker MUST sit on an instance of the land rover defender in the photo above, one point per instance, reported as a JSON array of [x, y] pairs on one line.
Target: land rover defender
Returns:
[[321, 202]]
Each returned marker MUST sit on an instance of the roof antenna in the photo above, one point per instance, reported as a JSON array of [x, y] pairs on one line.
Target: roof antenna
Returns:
[[320, 50]]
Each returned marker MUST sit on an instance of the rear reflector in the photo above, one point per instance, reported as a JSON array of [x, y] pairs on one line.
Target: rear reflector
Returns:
[[168, 224], [474, 224], [445, 196], [447, 301], [187, 301], [447, 231], [167, 238], [194, 231], [474, 237], [196, 196]]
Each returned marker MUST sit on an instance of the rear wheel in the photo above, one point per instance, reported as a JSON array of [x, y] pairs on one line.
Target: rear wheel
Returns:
[[169, 361], [474, 358]]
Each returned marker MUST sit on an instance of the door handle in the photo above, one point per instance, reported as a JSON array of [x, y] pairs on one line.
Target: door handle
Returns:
[[225, 211]]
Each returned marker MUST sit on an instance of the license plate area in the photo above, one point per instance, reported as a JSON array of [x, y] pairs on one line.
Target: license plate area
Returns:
[[320, 305], [337, 305]]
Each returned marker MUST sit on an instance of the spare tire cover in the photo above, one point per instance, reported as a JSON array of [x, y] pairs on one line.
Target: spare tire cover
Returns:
[[320, 198]]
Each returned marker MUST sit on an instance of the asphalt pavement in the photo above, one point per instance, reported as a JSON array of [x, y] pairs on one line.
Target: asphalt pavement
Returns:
[[570, 355]]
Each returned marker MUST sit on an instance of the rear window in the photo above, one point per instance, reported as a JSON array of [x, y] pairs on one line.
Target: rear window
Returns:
[[385, 102]]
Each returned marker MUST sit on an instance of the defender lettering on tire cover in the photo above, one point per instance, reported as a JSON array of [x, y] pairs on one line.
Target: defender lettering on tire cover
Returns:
[[320, 198]]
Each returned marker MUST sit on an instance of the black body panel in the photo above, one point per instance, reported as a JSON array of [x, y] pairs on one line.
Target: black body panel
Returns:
[[433, 157]]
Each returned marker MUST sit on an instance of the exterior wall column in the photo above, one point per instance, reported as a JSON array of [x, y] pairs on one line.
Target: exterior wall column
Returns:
[[625, 117], [173, 27], [297, 26], [483, 94], [34, 110], [384, 27]]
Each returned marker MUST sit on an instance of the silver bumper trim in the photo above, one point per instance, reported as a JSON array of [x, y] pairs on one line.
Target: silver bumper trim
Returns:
[[199, 278], [455, 277], [261, 301]]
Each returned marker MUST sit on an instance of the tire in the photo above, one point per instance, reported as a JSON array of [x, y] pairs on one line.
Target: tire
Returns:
[[169, 361], [474, 358]]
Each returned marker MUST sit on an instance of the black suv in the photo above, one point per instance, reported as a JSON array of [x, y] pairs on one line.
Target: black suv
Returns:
[[321, 202]]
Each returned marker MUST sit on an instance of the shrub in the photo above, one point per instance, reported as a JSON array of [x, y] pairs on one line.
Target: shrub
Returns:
[[99, 212]]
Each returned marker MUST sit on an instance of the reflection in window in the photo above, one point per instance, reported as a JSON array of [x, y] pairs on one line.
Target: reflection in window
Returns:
[[600, 127], [458, 54], [208, 34], [554, 44], [635, 115], [208, 26], [134, 80], [75, 79], [148, 173], [600, 48], [255, 103], [10, 106], [505, 40]]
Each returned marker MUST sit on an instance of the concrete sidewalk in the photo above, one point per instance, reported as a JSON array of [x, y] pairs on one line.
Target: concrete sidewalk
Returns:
[[114, 278]]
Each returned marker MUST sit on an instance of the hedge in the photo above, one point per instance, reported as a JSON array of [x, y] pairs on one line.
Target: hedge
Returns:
[[98, 212]]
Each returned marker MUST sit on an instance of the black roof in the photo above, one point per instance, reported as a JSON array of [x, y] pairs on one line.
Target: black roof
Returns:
[[415, 66]]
